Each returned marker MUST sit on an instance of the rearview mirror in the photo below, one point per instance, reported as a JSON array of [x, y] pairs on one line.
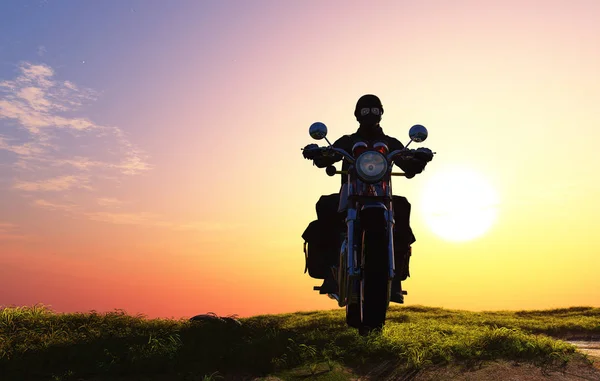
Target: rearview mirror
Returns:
[[317, 130], [417, 133]]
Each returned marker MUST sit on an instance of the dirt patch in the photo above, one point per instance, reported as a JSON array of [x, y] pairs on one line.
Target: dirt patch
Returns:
[[590, 348], [578, 368]]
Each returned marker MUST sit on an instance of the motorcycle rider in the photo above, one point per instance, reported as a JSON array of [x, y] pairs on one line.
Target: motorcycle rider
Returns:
[[368, 112]]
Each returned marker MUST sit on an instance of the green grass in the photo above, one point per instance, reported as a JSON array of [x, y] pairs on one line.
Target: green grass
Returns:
[[36, 343]]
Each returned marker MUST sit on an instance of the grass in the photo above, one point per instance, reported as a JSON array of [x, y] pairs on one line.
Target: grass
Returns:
[[37, 343]]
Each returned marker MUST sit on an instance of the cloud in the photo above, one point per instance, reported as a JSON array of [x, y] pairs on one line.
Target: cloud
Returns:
[[155, 220], [35, 101], [55, 206], [206, 226], [80, 162], [5, 226], [132, 165], [25, 149], [143, 219], [146, 219], [109, 201], [53, 148], [9, 231], [56, 152], [53, 184]]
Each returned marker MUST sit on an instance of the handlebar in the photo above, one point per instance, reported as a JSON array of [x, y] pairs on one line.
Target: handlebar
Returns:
[[333, 173], [351, 159], [403, 153], [345, 154]]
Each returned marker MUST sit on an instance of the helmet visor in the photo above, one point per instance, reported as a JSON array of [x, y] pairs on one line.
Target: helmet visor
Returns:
[[373, 110]]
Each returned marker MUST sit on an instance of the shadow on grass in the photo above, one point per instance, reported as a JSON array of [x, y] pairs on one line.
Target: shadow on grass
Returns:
[[190, 347], [307, 344]]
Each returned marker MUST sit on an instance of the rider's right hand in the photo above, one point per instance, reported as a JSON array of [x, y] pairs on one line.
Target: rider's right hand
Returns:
[[310, 152]]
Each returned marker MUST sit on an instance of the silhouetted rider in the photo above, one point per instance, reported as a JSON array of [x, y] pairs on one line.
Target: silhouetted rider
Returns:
[[368, 112]]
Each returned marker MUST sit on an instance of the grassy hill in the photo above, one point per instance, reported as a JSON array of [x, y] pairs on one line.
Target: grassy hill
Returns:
[[38, 344]]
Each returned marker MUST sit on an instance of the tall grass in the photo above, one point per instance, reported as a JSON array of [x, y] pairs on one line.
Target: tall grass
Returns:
[[37, 343]]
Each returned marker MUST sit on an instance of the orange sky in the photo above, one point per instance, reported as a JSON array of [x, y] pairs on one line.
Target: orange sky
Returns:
[[155, 166]]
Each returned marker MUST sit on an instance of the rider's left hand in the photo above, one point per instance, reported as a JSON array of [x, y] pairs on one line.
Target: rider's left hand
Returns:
[[412, 166], [423, 154]]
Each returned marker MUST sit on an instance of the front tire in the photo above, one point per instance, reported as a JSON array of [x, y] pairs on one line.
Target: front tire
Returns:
[[375, 283], [353, 315]]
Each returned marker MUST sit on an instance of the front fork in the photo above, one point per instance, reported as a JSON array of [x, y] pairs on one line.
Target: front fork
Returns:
[[353, 269], [348, 270], [389, 214], [391, 262]]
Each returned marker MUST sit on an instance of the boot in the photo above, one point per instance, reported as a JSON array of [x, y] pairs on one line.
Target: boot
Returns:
[[329, 286], [396, 294]]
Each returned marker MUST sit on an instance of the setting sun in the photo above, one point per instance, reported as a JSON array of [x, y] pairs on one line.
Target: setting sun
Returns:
[[459, 204]]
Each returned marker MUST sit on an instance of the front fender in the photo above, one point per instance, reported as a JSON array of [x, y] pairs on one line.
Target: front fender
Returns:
[[374, 216]]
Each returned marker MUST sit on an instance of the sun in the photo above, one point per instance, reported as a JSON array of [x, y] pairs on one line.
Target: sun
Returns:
[[459, 204]]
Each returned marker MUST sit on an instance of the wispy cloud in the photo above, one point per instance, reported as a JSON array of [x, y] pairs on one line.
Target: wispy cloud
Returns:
[[4, 226], [155, 220], [109, 201], [143, 219], [146, 219], [53, 184], [63, 153], [35, 101], [25, 149], [79, 162], [55, 206], [54, 150], [206, 226], [9, 231]]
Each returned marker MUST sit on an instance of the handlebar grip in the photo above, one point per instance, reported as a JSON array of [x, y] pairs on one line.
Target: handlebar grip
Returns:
[[311, 153]]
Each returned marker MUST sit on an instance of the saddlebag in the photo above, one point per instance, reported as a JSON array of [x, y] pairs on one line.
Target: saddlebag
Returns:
[[321, 248], [327, 209], [403, 236], [322, 237]]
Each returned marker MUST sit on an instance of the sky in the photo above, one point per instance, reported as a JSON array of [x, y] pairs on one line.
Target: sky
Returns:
[[150, 151]]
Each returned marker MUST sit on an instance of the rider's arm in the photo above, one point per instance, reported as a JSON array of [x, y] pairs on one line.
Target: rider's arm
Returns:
[[410, 166], [325, 161]]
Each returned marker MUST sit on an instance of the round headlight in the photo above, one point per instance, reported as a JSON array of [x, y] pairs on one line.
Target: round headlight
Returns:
[[371, 166]]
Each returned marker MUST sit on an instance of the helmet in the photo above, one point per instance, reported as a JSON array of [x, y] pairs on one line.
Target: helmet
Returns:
[[367, 101]]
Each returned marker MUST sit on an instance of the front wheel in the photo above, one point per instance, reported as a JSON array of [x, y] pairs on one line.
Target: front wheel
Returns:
[[375, 283]]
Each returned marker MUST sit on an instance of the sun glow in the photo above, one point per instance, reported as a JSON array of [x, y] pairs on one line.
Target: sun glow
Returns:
[[459, 205]]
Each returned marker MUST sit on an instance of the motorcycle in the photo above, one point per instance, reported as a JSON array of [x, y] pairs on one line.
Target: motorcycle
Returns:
[[366, 264]]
